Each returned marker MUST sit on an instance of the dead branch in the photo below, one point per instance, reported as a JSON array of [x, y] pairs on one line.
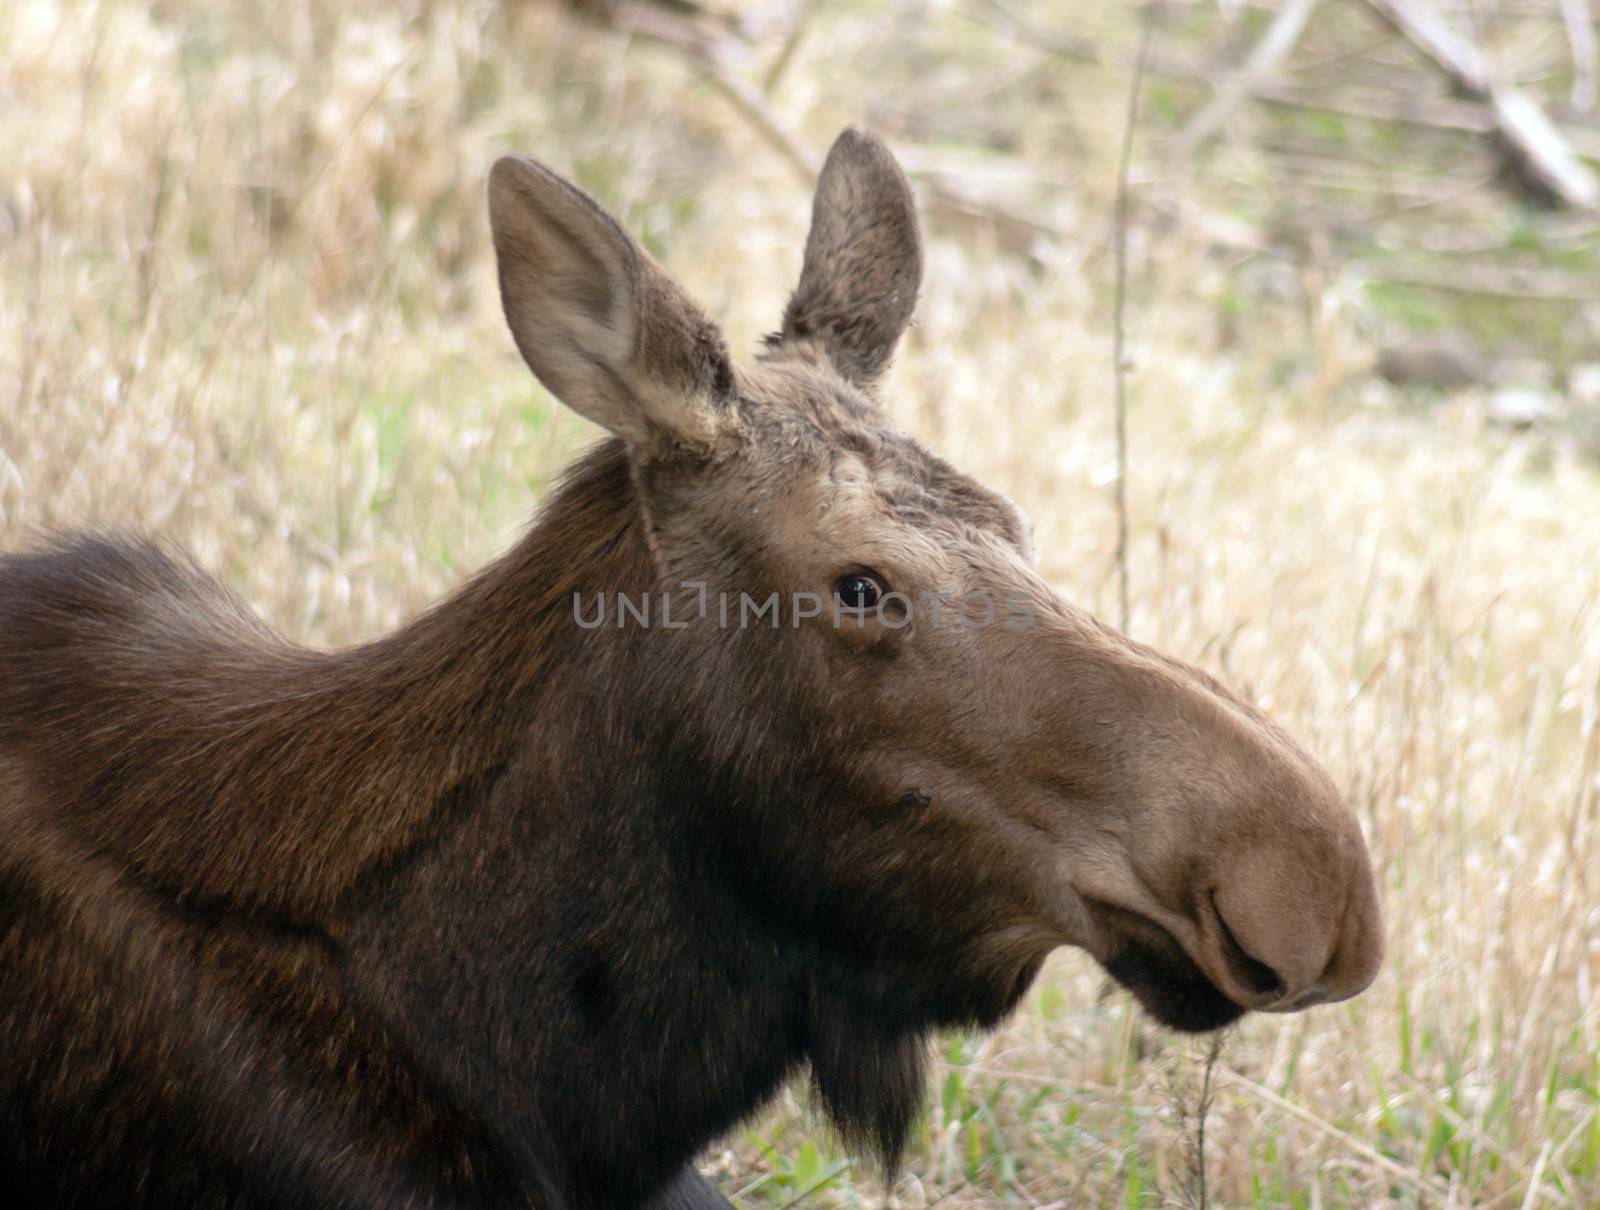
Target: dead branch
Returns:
[[1473, 117], [1585, 53], [798, 24], [1460, 61], [1540, 156], [1539, 153], [1539, 285], [753, 108], [1273, 48], [1000, 17], [806, 163]]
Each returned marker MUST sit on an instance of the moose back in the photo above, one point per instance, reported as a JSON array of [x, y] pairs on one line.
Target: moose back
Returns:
[[510, 908]]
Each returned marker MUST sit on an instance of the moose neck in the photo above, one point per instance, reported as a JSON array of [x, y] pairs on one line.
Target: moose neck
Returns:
[[569, 932], [252, 775]]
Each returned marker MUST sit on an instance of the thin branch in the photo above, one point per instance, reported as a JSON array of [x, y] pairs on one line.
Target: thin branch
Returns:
[[1275, 46], [1585, 53], [1191, 1110], [1475, 116], [1005, 20], [952, 201], [1471, 117], [1547, 285], [1119, 311], [791, 44], [1539, 154], [1460, 60], [1214, 1048], [1536, 150], [753, 107], [807, 163]]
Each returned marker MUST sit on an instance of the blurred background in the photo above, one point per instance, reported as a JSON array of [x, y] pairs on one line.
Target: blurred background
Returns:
[[247, 302]]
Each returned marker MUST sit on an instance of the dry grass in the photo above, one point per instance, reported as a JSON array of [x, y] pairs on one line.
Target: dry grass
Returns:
[[246, 302]]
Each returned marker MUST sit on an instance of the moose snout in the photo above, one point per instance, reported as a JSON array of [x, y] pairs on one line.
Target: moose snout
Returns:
[[1246, 885], [1291, 925]]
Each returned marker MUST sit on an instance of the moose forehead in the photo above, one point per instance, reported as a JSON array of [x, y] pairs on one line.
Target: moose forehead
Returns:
[[820, 429]]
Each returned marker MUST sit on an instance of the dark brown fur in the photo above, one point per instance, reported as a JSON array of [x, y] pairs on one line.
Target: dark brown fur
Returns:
[[502, 910]]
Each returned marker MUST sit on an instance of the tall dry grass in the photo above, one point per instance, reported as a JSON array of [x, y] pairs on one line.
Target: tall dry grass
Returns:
[[246, 302]]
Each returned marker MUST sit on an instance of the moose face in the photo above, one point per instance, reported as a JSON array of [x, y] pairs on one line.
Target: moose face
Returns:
[[984, 772]]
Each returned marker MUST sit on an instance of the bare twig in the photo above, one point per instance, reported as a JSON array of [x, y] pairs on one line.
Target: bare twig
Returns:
[[1473, 117], [1197, 1117], [1541, 157], [1540, 154], [1460, 61], [1547, 285], [1475, 114], [1000, 17], [791, 43], [1191, 1108], [1274, 47], [753, 107], [807, 163], [954, 202], [1119, 367], [1208, 1094], [1585, 53]]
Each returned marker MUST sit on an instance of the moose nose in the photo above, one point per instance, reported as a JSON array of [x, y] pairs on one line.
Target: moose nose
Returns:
[[1287, 934]]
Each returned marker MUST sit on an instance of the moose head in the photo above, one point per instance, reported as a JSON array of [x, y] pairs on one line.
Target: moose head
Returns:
[[986, 772], [924, 762]]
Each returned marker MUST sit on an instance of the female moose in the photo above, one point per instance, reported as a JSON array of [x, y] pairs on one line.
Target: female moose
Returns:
[[502, 910]]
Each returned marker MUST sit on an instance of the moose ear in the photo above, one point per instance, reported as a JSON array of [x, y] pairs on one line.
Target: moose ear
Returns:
[[863, 260], [601, 324]]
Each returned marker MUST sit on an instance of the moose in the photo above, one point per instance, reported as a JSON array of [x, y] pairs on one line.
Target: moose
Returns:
[[507, 910]]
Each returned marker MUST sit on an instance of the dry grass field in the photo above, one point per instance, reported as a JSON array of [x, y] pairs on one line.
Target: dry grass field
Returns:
[[247, 303]]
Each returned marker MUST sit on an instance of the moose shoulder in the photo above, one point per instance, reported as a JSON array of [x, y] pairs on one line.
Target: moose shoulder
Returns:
[[517, 908]]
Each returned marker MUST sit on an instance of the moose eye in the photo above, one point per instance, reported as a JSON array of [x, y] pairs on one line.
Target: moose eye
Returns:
[[858, 590]]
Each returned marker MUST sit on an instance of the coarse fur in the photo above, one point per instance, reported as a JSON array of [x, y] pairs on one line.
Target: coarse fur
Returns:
[[508, 908]]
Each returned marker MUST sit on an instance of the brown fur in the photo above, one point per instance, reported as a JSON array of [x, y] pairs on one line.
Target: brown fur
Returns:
[[505, 910]]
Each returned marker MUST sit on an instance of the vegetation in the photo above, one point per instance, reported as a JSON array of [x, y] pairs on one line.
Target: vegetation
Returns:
[[247, 303]]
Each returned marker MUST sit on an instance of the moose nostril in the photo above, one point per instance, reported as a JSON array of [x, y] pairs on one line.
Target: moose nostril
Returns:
[[1244, 966]]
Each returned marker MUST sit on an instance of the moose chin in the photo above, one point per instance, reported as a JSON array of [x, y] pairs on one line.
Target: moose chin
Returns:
[[504, 910]]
